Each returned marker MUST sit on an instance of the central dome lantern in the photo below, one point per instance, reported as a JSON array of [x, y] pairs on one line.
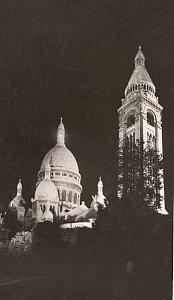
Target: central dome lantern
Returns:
[[64, 172]]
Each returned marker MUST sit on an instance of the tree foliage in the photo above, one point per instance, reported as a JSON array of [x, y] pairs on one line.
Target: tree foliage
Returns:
[[21, 243], [140, 174]]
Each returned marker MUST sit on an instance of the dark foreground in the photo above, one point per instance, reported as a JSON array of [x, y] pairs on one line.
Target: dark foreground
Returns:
[[87, 280]]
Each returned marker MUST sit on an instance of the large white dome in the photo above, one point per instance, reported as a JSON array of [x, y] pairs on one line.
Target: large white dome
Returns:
[[61, 158]]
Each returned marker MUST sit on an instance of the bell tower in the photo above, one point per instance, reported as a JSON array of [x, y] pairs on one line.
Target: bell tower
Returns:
[[140, 112]]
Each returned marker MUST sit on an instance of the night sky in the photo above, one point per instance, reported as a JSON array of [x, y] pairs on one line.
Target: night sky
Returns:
[[73, 59]]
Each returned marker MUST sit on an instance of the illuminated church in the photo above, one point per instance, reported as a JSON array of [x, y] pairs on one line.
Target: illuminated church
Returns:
[[58, 191], [58, 187]]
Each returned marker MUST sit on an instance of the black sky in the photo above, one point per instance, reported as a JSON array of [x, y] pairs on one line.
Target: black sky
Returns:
[[74, 59]]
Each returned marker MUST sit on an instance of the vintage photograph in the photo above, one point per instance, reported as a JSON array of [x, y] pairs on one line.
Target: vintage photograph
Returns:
[[86, 150]]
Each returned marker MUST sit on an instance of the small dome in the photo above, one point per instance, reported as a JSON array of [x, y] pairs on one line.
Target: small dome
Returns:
[[46, 190], [60, 157]]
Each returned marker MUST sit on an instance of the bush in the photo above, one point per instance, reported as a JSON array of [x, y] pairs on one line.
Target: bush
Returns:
[[21, 243]]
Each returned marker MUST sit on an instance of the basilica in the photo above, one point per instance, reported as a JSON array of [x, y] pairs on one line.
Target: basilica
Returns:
[[58, 187], [58, 191]]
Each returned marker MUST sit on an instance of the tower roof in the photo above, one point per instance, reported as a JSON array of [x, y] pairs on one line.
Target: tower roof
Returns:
[[140, 74]]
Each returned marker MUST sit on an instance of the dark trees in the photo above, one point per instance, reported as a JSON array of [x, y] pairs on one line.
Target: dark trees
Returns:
[[140, 175], [11, 222]]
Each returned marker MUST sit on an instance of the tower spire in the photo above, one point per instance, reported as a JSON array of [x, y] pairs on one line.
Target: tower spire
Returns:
[[140, 79], [61, 133], [139, 58]]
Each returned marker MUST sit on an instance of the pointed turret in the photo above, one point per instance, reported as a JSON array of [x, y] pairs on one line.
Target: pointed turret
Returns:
[[18, 200], [61, 134], [99, 198]]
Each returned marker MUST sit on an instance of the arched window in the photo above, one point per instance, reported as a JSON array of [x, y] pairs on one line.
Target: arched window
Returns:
[[64, 195], [70, 196], [150, 119], [44, 208], [52, 209], [130, 120], [75, 198]]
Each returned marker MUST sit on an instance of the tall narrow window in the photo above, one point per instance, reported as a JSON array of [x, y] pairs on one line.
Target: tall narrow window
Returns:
[[70, 196], [64, 195], [75, 198]]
